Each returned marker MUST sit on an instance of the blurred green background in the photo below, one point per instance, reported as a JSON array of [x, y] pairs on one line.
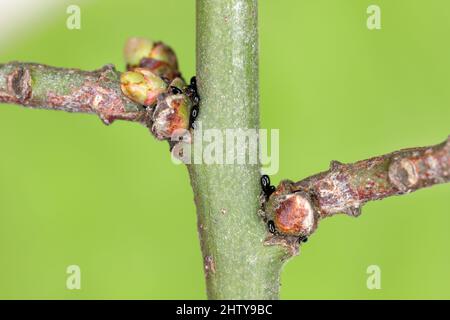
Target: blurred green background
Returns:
[[109, 199]]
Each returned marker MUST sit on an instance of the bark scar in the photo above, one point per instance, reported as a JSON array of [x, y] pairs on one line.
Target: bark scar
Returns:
[[403, 174], [210, 265], [19, 84]]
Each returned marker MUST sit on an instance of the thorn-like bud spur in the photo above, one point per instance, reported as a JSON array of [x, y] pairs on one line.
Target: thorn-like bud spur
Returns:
[[142, 86], [172, 112]]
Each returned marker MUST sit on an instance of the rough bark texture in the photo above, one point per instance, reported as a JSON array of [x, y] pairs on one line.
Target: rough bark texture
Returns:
[[72, 90], [237, 264], [346, 187]]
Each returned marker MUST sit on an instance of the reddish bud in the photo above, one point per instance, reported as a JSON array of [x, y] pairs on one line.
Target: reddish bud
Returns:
[[135, 49], [164, 53], [171, 114], [291, 211], [294, 215]]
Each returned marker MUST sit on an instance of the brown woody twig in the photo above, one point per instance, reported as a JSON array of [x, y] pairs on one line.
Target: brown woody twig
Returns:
[[72, 90], [297, 207]]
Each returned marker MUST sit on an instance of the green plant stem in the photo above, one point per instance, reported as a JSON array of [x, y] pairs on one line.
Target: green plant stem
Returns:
[[237, 264]]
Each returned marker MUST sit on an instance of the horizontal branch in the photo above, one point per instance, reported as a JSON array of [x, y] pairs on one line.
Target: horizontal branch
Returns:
[[72, 90], [346, 187], [295, 208]]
